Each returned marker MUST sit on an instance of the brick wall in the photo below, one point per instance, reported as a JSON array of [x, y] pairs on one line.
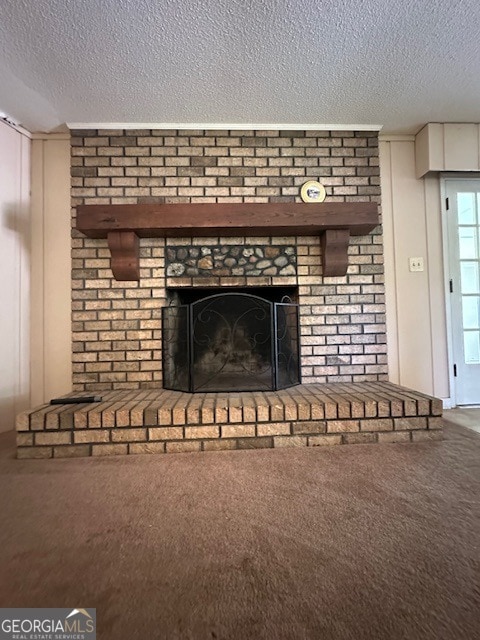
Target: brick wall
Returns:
[[116, 325]]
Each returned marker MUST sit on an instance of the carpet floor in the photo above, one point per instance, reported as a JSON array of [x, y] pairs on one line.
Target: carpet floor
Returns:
[[351, 542]]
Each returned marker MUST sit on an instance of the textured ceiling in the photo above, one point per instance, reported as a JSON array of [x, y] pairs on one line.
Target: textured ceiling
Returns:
[[299, 62]]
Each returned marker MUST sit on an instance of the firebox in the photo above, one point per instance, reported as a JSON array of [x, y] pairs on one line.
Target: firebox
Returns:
[[235, 341]]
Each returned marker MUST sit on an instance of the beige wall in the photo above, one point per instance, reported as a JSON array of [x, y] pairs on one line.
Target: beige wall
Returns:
[[14, 270], [416, 317], [35, 328], [51, 369]]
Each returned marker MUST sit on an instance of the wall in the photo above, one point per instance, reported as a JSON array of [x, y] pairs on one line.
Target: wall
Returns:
[[116, 325], [14, 269], [416, 316], [51, 369]]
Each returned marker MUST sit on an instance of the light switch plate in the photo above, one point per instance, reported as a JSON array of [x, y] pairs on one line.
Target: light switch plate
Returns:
[[415, 264]]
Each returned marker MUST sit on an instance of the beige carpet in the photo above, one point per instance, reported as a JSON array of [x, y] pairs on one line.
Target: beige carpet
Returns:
[[352, 542]]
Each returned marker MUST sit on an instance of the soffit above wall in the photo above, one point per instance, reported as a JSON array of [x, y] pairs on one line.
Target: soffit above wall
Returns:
[[447, 147]]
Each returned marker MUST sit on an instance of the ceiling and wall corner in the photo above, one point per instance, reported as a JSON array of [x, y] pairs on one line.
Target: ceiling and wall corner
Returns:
[[217, 62]]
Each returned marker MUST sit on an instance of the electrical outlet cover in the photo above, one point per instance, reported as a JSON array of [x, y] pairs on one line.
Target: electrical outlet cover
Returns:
[[415, 264]]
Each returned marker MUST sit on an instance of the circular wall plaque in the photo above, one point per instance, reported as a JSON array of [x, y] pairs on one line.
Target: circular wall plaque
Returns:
[[312, 191]]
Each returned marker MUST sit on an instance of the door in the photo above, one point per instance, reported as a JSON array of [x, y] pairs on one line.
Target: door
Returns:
[[463, 240]]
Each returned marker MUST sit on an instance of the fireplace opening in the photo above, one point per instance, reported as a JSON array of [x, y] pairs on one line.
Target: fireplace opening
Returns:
[[231, 341]]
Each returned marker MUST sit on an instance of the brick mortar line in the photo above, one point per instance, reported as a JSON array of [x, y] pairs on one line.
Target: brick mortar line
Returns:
[[272, 441], [239, 425]]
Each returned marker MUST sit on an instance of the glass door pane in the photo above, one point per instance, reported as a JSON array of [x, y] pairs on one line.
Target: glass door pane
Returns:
[[466, 208], [469, 277], [463, 224], [472, 347]]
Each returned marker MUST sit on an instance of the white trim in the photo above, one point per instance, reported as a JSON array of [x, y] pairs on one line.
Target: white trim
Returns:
[[448, 403], [428, 252], [224, 126], [16, 127], [446, 273], [388, 221]]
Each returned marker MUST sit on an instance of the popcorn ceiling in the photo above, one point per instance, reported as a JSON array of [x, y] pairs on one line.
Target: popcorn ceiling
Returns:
[[296, 62]]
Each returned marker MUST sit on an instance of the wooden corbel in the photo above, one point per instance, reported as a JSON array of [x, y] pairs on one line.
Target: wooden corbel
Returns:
[[335, 251], [125, 261]]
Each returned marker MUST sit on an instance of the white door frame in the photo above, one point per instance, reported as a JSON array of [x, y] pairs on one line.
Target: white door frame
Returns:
[[446, 270]]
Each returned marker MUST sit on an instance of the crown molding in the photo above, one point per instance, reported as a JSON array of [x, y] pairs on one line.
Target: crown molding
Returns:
[[244, 126]]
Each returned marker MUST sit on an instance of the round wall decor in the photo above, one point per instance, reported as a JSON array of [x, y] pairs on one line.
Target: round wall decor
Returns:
[[312, 191]]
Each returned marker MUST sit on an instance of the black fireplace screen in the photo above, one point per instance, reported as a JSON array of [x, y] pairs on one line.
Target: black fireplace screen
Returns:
[[230, 342]]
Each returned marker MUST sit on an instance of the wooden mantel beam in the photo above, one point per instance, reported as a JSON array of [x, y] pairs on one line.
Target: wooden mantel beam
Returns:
[[124, 224]]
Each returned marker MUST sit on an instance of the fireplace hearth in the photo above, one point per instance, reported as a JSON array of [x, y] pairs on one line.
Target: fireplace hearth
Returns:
[[233, 341]]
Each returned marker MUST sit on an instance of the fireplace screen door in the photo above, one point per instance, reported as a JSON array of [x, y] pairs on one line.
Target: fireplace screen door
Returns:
[[231, 342]]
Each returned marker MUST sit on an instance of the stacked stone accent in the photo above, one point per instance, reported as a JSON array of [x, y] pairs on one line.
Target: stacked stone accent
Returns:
[[231, 259], [117, 325]]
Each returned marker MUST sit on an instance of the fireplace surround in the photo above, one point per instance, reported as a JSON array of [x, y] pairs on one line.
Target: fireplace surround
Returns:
[[117, 323], [198, 262], [228, 341]]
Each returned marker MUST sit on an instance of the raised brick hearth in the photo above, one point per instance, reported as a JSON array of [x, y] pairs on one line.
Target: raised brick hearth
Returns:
[[171, 421]]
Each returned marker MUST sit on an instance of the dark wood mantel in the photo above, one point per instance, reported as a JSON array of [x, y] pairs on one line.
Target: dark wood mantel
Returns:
[[123, 225]]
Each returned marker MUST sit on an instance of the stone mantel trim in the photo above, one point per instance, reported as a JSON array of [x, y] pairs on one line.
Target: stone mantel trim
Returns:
[[122, 225]]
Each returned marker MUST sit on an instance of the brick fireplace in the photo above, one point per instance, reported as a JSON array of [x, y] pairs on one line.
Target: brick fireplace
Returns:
[[117, 323]]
